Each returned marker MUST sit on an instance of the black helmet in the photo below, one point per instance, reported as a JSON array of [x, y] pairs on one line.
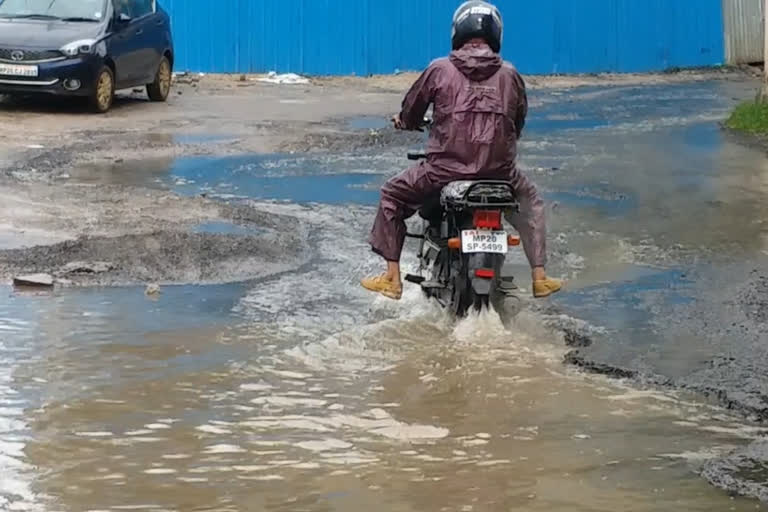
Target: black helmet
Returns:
[[477, 19]]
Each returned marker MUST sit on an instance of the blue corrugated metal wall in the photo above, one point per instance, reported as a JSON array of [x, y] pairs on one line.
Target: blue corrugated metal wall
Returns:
[[339, 37]]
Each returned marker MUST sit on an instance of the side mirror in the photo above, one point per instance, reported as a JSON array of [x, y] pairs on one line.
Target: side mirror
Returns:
[[123, 19]]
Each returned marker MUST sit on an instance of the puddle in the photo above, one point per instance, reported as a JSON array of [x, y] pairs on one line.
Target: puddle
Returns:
[[333, 179], [704, 137], [226, 228], [201, 138], [626, 308], [331, 189], [151, 172], [368, 123], [555, 123], [609, 207], [120, 309]]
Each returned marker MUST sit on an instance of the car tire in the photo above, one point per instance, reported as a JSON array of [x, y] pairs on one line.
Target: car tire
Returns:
[[103, 95], [160, 89]]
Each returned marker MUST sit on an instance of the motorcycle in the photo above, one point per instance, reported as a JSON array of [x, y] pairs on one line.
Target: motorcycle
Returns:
[[463, 244]]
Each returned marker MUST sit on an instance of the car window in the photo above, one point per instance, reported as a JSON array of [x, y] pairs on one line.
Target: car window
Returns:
[[142, 8], [85, 9], [123, 7], [135, 8]]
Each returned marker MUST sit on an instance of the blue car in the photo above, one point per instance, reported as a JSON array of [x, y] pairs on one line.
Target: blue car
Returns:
[[85, 48]]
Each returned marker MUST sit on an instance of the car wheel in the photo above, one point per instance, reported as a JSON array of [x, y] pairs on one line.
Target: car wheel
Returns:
[[161, 87], [103, 91]]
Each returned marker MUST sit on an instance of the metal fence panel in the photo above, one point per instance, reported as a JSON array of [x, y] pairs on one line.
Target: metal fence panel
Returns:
[[744, 31], [339, 37]]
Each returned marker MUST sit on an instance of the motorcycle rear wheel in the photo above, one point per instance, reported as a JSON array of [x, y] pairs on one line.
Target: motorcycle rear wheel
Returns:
[[464, 299]]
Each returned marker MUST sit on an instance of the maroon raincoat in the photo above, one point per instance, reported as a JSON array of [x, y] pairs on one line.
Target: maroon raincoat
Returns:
[[480, 106]]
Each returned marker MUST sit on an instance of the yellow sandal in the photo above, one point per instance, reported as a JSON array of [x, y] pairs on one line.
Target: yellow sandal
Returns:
[[381, 284], [546, 287]]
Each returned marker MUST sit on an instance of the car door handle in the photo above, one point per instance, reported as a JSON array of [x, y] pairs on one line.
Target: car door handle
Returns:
[[140, 31]]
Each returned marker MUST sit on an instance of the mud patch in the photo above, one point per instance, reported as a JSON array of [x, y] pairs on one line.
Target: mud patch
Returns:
[[13, 238], [346, 141], [700, 333], [165, 257], [225, 228], [42, 164], [745, 472]]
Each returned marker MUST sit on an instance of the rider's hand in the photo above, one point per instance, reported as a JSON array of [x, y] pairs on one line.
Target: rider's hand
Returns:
[[397, 122]]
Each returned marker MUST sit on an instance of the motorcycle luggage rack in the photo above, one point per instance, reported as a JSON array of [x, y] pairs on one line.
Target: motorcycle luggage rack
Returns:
[[466, 201]]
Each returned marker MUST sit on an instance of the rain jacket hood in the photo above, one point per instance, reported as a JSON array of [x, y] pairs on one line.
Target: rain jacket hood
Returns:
[[476, 62]]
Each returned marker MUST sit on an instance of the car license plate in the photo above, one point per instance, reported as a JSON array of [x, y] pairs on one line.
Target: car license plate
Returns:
[[15, 70], [478, 240]]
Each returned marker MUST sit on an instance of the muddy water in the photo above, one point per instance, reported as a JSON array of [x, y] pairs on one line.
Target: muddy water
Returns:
[[302, 392], [398, 409]]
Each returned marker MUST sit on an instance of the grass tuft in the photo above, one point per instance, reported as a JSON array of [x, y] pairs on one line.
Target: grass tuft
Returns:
[[750, 117]]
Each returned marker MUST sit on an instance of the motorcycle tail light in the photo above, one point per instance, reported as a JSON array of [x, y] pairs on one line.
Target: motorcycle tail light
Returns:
[[487, 219]]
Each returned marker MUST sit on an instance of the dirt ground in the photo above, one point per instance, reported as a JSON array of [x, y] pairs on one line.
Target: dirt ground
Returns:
[[47, 221]]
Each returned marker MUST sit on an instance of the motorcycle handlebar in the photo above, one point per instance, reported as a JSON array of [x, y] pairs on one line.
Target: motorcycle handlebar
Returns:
[[427, 123], [421, 155]]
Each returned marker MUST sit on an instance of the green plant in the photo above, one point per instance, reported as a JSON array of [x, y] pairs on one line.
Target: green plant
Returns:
[[749, 117]]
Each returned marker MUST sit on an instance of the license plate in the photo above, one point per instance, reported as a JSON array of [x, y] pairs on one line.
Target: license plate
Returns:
[[478, 240], [14, 70]]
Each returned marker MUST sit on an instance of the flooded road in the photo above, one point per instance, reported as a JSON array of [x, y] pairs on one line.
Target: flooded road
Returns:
[[396, 409], [301, 392]]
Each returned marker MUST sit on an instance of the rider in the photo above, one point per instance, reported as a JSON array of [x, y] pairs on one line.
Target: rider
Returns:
[[480, 105]]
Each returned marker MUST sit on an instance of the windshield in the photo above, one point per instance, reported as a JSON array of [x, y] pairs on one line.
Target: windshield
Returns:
[[83, 10]]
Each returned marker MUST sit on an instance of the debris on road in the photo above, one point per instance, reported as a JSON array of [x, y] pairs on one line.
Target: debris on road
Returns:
[[34, 280], [284, 79], [186, 78], [86, 267], [152, 289]]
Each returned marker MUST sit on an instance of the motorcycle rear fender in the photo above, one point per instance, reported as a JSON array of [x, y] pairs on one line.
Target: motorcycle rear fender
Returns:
[[477, 261], [482, 286]]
